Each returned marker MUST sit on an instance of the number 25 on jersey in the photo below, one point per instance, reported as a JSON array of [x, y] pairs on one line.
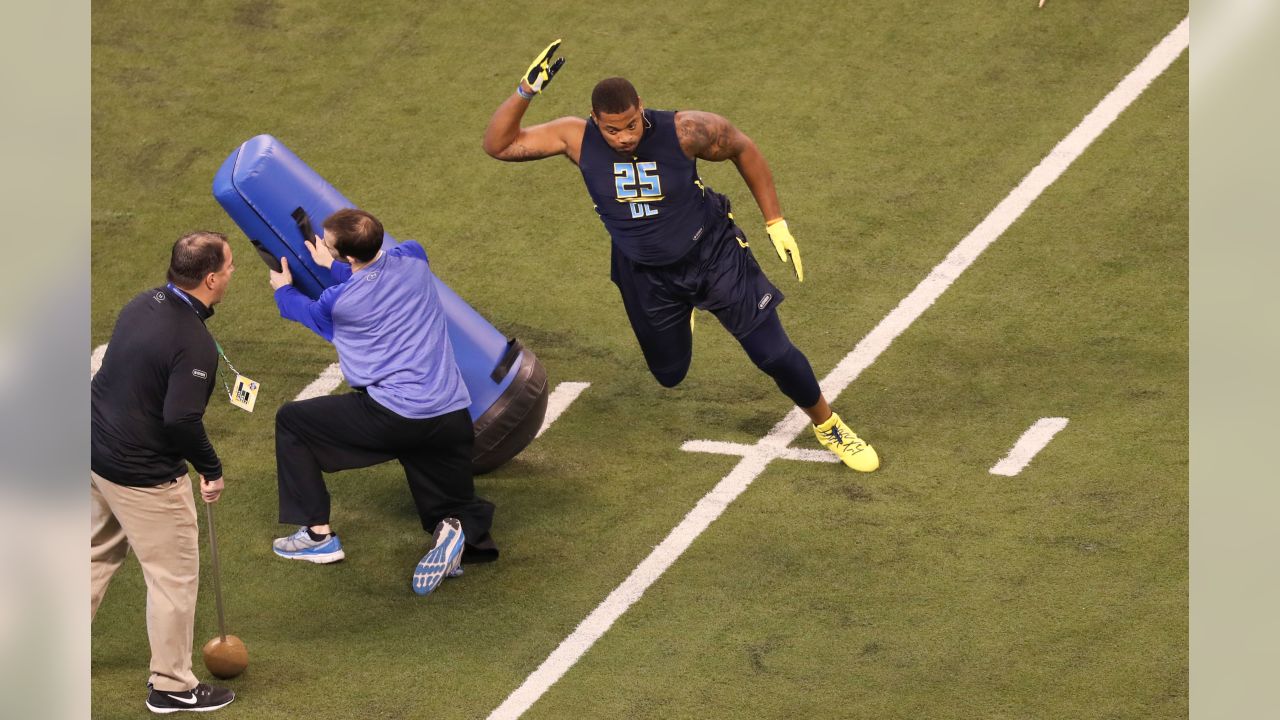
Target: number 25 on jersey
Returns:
[[638, 184]]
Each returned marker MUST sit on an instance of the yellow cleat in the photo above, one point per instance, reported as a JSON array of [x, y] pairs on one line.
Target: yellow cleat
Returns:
[[845, 443]]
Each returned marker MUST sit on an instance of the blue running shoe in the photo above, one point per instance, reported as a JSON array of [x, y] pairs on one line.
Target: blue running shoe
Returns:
[[300, 546], [443, 560]]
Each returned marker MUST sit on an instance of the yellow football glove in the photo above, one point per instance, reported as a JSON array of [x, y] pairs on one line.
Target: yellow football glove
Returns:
[[542, 70], [785, 245]]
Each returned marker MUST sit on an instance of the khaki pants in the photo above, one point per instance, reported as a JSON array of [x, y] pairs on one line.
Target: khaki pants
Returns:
[[159, 523]]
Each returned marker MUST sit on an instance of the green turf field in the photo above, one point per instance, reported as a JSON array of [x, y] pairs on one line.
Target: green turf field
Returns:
[[930, 589]]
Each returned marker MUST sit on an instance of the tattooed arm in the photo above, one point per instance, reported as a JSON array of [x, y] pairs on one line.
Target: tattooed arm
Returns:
[[504, 139], [708, 136]]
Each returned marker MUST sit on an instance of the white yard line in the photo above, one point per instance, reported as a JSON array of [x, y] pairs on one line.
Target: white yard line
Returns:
[[822, 456], [329, 380], [730, 448], [1031, 442], [564, 394], [753, 463], [95, 359]]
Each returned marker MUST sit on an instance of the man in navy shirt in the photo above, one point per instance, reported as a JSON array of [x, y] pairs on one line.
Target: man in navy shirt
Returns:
[[409, 401], [147, 404], [675, 244]]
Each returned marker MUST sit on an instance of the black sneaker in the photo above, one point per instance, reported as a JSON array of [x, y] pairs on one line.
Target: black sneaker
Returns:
[[201, 698]]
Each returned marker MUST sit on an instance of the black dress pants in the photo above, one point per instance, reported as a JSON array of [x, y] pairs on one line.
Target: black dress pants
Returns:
[[342, 432]]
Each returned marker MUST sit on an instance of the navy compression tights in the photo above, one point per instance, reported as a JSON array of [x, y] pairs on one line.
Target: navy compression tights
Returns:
[[768, 347]]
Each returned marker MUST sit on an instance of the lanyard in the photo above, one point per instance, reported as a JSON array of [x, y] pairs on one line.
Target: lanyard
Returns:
[[216, 344]]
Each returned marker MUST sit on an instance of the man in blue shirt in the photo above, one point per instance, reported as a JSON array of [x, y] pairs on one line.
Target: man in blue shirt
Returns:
[[409, 401]]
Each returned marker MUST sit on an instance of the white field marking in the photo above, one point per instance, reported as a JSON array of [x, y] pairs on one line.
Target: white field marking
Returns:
[[752, 464], [329, 380], [564, 394], [730, 448], [822, 456], [1031, 442], [95, 359]]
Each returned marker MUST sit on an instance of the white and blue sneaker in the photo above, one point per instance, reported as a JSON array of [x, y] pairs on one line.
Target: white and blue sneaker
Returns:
[[300, 546], [443, 560]]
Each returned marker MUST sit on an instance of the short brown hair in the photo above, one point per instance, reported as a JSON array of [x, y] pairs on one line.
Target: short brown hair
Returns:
[[356, 234], [613, 95], [196, 255]]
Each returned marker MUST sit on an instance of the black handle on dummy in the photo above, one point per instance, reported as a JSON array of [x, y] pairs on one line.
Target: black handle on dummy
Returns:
[[508, 359], [272, 261], [304, 225]]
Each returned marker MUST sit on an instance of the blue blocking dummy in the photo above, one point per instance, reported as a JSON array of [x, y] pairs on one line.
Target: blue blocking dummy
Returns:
[[278, 202]]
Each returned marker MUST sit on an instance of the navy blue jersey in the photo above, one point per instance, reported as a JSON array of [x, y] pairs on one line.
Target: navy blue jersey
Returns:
[[651, 201]]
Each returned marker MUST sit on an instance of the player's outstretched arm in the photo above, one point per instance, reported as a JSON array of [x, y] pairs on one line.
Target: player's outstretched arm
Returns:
[[708, 136], [504, 139]]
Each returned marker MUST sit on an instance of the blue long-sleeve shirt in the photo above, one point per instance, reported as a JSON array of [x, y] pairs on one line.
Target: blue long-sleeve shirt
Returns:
[[389, 329]]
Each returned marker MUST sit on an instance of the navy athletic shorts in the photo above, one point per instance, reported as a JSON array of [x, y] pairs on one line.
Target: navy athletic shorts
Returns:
[[719, 275]]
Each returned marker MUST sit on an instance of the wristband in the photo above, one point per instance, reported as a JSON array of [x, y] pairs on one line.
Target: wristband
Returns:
[[522, 93]]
